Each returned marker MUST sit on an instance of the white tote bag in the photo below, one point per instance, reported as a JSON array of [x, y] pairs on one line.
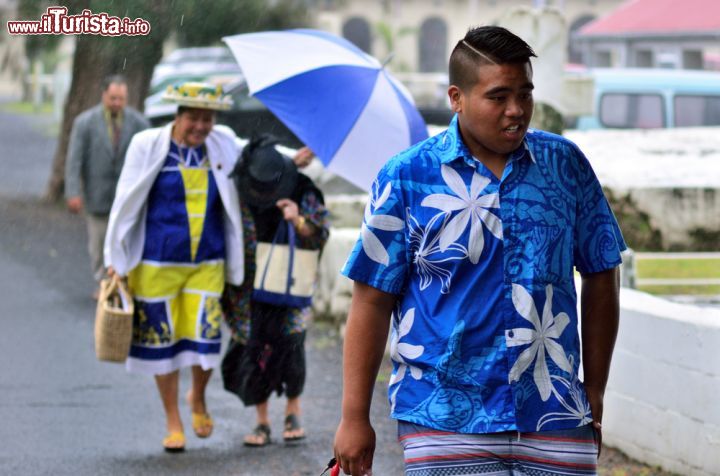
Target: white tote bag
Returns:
[[285, 275]]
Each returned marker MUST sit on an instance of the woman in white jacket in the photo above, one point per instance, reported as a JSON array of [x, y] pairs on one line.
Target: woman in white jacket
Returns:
[[175, 232]]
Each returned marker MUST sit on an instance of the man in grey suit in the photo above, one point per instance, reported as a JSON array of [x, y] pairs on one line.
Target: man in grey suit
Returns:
[[99, 139]]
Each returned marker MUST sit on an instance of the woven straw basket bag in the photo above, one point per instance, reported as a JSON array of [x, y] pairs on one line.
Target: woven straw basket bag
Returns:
[[113, 321]]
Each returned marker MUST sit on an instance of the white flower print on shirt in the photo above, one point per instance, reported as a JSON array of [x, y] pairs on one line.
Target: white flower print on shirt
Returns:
[[399, 351], [473, 208], [370, 243], [577, 408], [428, 258], [540, 339]]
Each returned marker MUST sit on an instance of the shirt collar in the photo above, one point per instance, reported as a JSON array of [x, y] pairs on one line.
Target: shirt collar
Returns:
[[454, 148]]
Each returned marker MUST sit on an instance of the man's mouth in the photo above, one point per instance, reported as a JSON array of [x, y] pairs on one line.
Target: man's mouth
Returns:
[[512, 129]]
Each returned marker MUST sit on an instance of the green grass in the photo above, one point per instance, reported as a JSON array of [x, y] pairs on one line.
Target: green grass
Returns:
[[678, 269], [47, 128], [694, 290], [23, 107]]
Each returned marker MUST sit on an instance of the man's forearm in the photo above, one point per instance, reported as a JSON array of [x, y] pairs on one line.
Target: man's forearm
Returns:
[[365, 339], [600, 309]]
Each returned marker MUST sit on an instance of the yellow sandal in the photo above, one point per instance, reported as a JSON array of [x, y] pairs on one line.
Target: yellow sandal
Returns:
[[202, 424], [174, 442]]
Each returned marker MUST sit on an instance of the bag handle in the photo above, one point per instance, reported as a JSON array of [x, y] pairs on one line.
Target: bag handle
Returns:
[[291, 247], [125, 297], [117, 287]]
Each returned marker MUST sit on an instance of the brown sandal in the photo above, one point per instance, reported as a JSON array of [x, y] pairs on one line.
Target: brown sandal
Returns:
[[263, 432], [292, 424]]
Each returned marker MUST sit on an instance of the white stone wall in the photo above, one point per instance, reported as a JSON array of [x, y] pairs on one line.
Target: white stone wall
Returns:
[[644, 164], [677, 211], [332, 297], [662, 405]]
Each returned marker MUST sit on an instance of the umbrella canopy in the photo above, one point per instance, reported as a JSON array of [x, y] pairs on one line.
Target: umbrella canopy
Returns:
[[337, 99]]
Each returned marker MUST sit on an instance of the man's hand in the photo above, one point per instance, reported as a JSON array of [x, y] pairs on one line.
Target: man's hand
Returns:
[[600, 308], [355, 446], [365, 335], [595, 399], [303, 157], [74, 204]]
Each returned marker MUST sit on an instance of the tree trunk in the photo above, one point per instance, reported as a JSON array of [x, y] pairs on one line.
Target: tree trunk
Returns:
[[95, 58]]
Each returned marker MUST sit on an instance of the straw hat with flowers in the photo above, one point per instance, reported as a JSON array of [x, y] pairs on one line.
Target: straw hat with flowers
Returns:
[[198, 95]]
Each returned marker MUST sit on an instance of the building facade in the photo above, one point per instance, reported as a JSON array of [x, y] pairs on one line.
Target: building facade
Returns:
[[654, 34], [422, 33]]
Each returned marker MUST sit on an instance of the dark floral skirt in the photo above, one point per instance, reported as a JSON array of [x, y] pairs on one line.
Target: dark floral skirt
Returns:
[[271, 360]]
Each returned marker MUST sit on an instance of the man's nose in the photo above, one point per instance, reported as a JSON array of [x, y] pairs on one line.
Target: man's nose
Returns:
[[514, 108]]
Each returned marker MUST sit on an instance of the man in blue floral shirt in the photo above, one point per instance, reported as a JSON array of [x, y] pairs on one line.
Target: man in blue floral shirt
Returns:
[[468, 247]]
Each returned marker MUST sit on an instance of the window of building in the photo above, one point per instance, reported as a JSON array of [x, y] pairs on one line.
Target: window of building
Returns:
[[357, 31], [693, 111], [632, 111], [692, 59], [575, 47], [644, 59], [602, 59], [433, 45]]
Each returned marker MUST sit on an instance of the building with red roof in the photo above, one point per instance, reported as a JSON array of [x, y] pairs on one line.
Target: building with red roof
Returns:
[[654, 34]]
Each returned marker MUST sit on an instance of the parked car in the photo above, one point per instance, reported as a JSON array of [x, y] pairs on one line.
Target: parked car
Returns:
[[184, 77], [192, 62], [212, 54], [631, 98]]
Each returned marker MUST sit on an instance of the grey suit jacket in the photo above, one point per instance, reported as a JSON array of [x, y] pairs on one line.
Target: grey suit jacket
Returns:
[[92, 168]]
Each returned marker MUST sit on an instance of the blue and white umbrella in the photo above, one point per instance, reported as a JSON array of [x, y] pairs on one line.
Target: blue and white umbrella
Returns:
[[337, 99]]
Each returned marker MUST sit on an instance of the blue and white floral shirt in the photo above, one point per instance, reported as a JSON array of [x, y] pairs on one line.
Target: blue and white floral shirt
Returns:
[[485, 334]]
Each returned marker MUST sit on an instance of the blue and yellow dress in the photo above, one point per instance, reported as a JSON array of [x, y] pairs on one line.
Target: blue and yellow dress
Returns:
[[179, 281]]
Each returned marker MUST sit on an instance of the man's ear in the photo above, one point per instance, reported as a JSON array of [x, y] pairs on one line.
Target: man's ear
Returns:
[[455, 95]]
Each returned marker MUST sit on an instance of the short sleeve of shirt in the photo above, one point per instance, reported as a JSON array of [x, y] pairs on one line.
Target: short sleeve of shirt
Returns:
[[598, 239], [379, 257]]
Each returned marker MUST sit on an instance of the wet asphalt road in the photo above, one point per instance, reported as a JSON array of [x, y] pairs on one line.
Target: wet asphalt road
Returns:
[[62, 412]]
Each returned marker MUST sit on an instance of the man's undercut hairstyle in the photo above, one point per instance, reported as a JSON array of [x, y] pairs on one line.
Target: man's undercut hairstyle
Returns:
[[113, 79], [485, 45]]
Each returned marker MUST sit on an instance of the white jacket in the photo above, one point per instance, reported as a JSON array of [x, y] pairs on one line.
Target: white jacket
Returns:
[[145, 157]]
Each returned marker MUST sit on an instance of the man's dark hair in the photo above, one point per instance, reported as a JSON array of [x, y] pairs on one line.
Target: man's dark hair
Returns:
[[485, 45], [113, 79]]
